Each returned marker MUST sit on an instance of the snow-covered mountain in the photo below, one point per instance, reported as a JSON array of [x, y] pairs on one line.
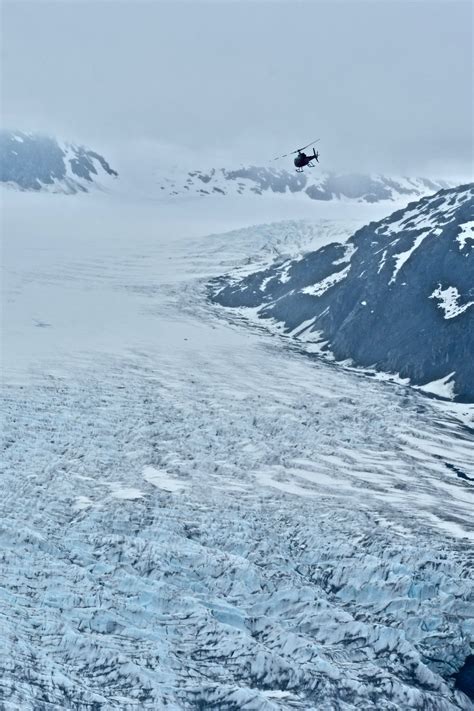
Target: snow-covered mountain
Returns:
[[31, 161], [316, 184], [398, 296]]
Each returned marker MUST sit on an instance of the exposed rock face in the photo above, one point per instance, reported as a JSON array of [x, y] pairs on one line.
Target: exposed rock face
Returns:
[[31, 161], [399, 295], [465, 677]]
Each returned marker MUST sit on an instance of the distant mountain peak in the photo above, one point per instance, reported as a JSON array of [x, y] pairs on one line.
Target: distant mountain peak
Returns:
[[32, 161]]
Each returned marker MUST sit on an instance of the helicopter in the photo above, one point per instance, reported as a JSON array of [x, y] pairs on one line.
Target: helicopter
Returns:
[[302, 159]]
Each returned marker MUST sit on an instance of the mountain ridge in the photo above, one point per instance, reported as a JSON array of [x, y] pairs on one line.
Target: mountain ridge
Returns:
[[37, 162], [398, 296], [319, 186]]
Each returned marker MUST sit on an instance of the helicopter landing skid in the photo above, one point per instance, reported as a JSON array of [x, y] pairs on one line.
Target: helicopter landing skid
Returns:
[[308, 165]]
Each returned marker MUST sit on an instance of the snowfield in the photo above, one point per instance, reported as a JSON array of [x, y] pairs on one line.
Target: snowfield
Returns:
[[194, 514]]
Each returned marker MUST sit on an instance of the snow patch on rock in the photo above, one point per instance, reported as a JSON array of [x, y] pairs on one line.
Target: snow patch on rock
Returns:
[[449, 301]]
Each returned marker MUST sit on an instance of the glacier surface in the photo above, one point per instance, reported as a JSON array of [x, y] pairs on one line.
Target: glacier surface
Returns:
[[196, 516]]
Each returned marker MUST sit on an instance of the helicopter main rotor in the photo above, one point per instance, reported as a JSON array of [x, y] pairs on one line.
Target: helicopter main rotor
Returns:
[[298, 150]]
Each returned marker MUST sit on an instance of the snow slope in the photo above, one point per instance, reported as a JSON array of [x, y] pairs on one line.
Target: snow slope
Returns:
[[196, 517]]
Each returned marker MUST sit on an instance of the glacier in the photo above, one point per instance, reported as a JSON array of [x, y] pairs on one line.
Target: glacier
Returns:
[[195, 515]]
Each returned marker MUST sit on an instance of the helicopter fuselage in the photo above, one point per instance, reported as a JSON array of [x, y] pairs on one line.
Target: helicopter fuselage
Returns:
[[301, 160]]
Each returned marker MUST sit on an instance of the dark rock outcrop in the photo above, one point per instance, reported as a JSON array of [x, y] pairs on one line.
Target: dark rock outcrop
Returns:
[[464, 678]]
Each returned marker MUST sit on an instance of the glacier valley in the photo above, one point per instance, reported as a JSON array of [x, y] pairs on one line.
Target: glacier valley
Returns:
[[195, 515]]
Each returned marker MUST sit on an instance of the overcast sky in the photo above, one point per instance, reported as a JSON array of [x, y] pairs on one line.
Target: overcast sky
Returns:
[[387, 85]]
